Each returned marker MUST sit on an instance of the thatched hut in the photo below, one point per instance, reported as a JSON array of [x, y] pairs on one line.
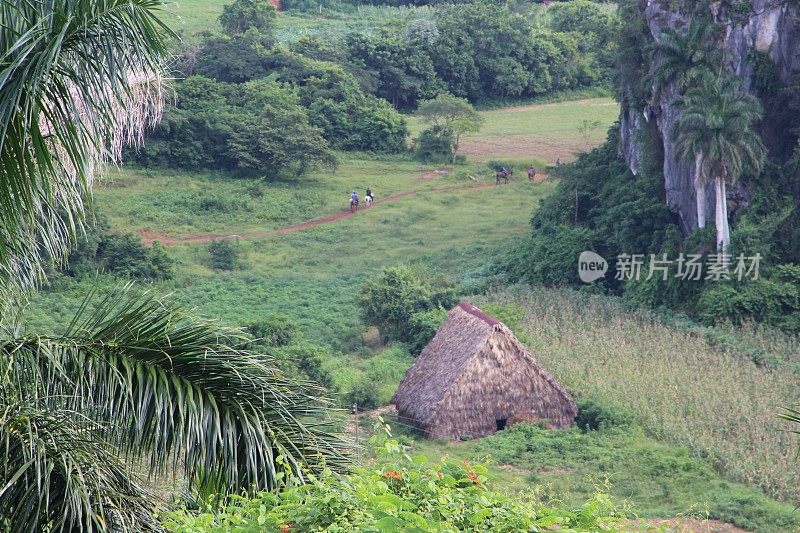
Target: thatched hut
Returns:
[[474, 378]]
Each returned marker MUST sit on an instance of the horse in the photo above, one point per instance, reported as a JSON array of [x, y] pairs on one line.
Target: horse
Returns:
[[353, 206], [369, 200], [531, 174], [502, 175]]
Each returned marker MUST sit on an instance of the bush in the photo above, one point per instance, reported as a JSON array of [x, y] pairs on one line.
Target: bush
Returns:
[[434, 146], [119, 254], [774, 300], [243, 15], [424, 326], [276, 331], [224, 255], [390, 300], [594, 415], [399, 493], [365, 394]]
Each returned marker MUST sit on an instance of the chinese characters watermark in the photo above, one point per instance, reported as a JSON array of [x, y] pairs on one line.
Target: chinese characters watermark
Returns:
[[689, 267]]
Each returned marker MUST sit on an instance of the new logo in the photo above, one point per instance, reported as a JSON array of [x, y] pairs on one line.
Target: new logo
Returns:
[[591, 267]]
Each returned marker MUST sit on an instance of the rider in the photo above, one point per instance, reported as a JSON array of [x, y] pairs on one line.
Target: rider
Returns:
[[369, 195], [354, 198]]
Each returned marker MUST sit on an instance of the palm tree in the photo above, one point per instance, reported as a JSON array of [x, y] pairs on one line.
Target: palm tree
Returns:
[[131, 379], [714, 131], [685, 60]]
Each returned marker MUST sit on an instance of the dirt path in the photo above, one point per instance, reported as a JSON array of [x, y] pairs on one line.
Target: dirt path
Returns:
[[149, 236]]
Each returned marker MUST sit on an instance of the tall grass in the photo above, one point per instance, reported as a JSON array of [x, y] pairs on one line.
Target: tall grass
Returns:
[[709, 398]]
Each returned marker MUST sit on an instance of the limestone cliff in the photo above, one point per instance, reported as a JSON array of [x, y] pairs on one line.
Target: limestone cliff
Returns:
[[769, 26]]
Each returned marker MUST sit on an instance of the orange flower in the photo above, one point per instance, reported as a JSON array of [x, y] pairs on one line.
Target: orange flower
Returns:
[[285, 528], [473, 477], [393, 474], [439, 475]]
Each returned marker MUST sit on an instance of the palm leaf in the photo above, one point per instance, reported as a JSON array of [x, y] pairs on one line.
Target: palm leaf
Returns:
[[78, 78], [178, 390], [55, 476]]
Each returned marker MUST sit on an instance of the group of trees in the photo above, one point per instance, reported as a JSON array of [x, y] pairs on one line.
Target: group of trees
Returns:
[[241, 89], [484, 52], [263, 110]]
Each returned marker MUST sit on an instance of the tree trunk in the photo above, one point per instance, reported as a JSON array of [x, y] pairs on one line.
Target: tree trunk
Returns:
[[700, 192], [455, 149], [723, 231]]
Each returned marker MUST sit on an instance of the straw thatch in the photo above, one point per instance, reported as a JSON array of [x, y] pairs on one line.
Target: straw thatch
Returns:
[[475, 377]]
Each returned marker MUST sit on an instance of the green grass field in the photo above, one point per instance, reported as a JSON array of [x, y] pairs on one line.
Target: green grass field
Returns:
[[545, 132], [191, 17]]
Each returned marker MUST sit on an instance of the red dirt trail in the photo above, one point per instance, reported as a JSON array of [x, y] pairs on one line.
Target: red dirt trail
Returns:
[[149, 236]]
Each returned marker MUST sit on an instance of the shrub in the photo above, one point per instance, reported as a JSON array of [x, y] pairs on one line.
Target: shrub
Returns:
[[434, 146], [398, 493], [390, 300], [242, 15], [224, 254], [424, 326], [774, 300], [275, 330], [594, 415], [365, 394], [125, 255]]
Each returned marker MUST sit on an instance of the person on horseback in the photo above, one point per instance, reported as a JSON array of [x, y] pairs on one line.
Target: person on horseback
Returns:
[[353, 201], [369, 197], [531, 173]]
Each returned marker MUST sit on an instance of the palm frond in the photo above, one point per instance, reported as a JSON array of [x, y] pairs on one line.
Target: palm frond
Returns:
[[178, 390], [78, 78], [55, 476]]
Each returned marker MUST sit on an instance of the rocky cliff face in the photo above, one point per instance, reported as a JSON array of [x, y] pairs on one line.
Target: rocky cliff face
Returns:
[[770, 26]]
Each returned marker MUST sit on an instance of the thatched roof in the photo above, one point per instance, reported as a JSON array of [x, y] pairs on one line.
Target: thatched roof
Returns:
[[474, 377]]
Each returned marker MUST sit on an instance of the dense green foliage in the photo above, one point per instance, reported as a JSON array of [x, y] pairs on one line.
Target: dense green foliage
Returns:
[[482, 52], [601, 206], [242, 15], [399, 493], [257, 128], [122, 255], [395, 300]]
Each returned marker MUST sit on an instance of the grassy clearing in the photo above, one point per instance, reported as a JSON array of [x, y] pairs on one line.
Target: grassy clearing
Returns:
[[543, 131], [716, 402], [181, 203], [190, 17]]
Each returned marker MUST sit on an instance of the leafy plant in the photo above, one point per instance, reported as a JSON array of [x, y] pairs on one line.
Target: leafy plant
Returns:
[[224, 254], [135, 378], [243, 15], [400, 493], [390, 301]]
